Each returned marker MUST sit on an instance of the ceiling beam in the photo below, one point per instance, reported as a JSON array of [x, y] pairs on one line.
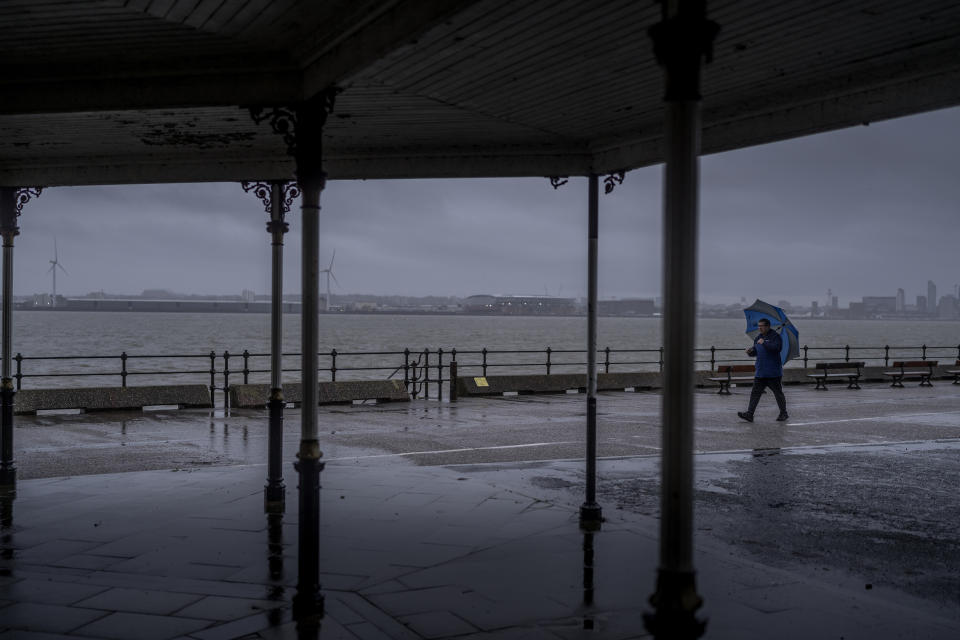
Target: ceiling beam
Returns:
[[157, 89], [400, 25]]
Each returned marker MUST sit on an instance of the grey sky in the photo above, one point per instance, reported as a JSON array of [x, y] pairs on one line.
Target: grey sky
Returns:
[[862, 211]]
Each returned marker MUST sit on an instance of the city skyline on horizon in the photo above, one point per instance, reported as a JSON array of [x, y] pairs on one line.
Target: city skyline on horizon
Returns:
[[909, 300]]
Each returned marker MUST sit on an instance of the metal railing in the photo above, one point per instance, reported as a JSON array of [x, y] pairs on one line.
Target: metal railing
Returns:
[[426, 371]]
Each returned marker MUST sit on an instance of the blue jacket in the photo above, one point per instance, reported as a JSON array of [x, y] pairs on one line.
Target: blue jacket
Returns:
[[768, 355]]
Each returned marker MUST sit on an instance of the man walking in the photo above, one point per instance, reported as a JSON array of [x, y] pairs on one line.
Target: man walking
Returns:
[[766, 348]]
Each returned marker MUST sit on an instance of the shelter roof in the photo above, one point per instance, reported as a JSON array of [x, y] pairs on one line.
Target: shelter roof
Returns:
[[141, 91]]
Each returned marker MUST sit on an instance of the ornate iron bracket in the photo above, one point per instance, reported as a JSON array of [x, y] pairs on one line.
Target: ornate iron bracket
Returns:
[[558, 181], [24, 194], [264, 191], [284, 119], [611, 181]]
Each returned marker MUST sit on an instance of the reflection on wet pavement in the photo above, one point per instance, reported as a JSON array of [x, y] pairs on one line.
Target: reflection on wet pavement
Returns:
[[461, 521]]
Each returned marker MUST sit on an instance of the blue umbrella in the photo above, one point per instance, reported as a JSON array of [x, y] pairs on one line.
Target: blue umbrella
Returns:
[[779, 322]]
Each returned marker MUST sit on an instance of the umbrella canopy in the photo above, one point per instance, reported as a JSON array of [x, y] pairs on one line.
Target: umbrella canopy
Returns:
[[779, 322]]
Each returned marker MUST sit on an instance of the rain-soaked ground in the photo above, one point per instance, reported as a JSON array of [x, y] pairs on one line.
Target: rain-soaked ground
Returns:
[[858, 490]]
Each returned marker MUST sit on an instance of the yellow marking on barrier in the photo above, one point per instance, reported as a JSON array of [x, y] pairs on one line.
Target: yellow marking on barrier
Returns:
[[481, 382]]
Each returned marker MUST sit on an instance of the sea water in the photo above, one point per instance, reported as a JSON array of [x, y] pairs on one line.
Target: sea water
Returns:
[[86, 334]]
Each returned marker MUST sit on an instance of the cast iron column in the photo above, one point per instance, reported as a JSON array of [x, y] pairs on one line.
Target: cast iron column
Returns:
[[302, 130], [274, 492], [590, 513], [681, 39], [277, 197], [311, 117], [12, 200]]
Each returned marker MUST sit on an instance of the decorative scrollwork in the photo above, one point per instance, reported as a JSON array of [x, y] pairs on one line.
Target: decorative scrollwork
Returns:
[[284, 120], [611, 181], [291, 191], [262, 190], [24, 194], [558, 181]]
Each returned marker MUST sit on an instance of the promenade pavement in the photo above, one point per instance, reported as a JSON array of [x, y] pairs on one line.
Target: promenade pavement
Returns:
[[460, 521]]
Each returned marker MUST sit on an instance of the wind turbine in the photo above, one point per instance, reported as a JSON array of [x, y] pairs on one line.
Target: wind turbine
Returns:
[[54, 265], [329, 272]]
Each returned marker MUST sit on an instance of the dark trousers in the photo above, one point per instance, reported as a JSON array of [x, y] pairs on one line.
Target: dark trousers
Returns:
[[774, 385]]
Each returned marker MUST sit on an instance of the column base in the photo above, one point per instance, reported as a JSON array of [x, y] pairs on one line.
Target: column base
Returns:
[[591, 516], [675, 603], [308, 607], [274, 491], [8, 477], [274, 498], [308, 601]]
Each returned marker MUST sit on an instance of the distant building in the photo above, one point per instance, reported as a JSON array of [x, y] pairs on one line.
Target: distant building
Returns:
[[520, 305], [834, 303], [248, 296], [879, 305], [922, 304], [901, 301], [481, 304], [626, 307], [814, 308], [947, 309], [931, 297]]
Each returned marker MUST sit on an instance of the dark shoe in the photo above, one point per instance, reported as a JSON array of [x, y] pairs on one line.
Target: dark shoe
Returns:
[[783, 416], [746, 416]]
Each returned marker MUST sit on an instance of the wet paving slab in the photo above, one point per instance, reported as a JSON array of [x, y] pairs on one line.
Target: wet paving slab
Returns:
[[443, 521]]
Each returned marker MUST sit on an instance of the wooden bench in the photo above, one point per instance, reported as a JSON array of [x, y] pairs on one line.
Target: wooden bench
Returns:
[[955, 372], [827, 370], [730, 371], [912, 369]]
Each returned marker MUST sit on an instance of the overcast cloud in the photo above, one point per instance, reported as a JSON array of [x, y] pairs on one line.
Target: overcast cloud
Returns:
[[861, 211]]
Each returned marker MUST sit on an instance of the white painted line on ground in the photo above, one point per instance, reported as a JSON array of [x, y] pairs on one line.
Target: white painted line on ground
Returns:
[[886, 417], [107, 445], [424, 453]]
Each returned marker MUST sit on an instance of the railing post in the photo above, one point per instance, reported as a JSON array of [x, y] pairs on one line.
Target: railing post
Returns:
[[924, 356], [123, 369], [246, 367], [19, 375], [484, 362], [226, 379], [660, 362], [213, 374], [846, 357], [886, 355], [406, 369], [606, 360], [713, 357], [453, 377], [333, 365], [805, 356], [548, 360], [426, 374], [440, 374]]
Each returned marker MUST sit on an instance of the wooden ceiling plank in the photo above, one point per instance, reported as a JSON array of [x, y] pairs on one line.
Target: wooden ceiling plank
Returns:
[[519, 58], [377, 39]]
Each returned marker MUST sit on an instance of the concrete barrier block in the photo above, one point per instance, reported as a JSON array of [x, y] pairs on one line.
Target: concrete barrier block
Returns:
[[619, 381], [341, 392], [498, 385], [112, 398]]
